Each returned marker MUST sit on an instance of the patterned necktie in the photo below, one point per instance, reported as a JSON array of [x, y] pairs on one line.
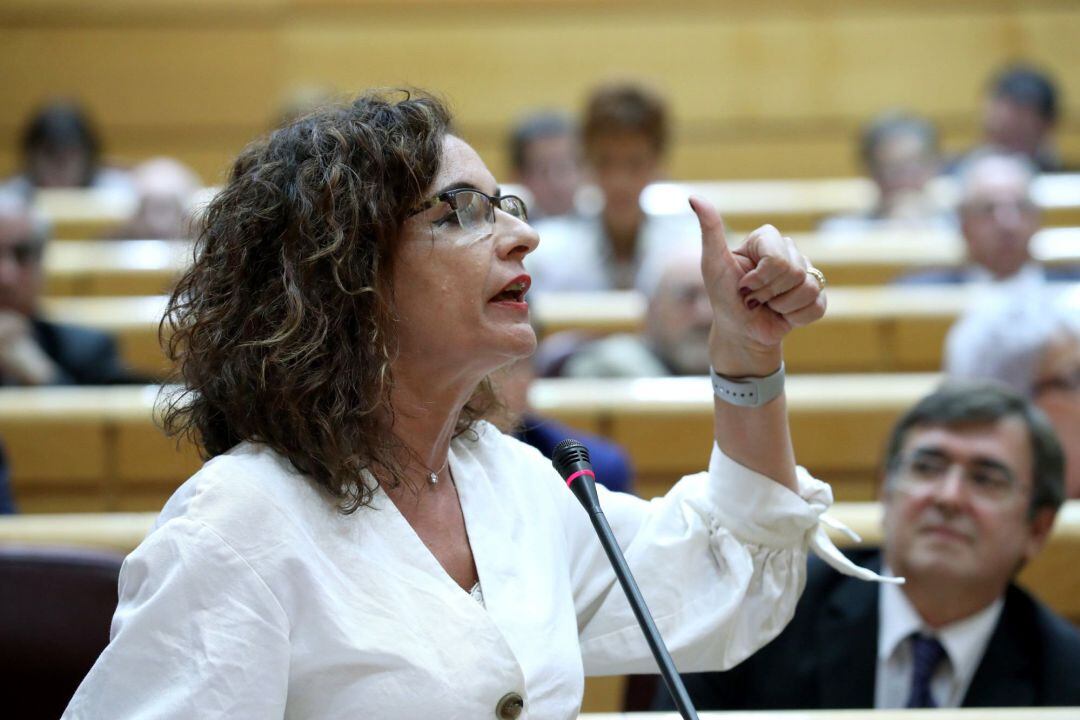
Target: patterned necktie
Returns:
[[928, 654]]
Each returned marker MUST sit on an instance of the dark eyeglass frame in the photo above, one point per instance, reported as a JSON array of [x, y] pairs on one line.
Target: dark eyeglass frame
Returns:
[[493, 201], [25, 252]]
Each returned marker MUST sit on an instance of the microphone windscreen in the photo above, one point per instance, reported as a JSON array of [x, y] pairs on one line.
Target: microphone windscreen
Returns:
[[568, 454]]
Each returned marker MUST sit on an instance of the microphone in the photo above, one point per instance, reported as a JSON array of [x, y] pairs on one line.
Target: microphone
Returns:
[[571, 459]]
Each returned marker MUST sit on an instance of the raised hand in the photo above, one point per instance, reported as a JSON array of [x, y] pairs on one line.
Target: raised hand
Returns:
[[759, 291]]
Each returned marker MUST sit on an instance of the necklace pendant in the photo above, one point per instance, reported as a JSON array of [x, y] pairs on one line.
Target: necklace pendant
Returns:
[[433, 479]]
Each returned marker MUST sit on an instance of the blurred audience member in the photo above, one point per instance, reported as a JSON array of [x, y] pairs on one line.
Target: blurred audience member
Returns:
[[900, 154], [1020, 113], [675, 340], [1031, 344], [997, 219], [973, 482], [625, 134], [34, 351], [164, 189], [61, 149], [610, 462], [545, 158], [7, 504]]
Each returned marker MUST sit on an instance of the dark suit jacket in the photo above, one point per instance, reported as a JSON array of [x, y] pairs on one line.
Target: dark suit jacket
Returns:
[[83, 356], [827, 656]]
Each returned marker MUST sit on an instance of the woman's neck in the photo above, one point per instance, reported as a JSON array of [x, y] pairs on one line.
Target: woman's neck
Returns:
[[425, 414]]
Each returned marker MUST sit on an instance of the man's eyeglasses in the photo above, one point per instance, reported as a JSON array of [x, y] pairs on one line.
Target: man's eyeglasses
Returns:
[[474, 210], [1067, 382], [924, 469]]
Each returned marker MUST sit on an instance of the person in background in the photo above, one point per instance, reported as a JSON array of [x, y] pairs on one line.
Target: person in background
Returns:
[[998, 218], [900, 153], [60, 148], [625, 135], [1020, 114], [1032, 345], [35, 351], [610, 462], [165, 190], [7, 503], [973, 482], [545, 158], [675, 339]]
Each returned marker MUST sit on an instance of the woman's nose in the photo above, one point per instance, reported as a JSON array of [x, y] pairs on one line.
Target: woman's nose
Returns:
[[515, 236]]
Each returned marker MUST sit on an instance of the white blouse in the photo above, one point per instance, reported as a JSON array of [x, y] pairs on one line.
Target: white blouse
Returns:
[[254, 597]]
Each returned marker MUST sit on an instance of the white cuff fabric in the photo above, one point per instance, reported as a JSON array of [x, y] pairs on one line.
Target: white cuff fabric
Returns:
[[759, 510]]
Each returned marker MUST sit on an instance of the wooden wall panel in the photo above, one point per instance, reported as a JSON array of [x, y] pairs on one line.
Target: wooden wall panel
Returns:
[[769, 89]]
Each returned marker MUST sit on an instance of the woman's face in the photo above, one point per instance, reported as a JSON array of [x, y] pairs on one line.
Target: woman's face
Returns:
[[458, 293]]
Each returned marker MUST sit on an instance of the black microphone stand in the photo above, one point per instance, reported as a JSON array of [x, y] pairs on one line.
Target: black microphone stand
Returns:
[[571, 459]]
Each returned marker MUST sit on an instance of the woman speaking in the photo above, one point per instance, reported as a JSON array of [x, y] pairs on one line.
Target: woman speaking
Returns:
[[361, 543]]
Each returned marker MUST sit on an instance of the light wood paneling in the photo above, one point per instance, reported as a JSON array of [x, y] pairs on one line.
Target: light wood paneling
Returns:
[[769, 89]]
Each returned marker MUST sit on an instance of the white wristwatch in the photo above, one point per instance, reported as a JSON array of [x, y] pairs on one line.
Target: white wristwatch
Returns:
[[748, 391]]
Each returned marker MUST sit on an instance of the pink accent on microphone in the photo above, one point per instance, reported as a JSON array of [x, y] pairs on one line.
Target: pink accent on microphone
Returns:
[[571, 479]]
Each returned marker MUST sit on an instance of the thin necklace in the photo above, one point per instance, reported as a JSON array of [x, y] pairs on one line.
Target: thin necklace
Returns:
[[433, 476]]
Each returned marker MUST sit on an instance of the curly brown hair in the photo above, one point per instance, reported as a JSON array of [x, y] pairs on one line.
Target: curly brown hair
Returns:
[[283, 329]]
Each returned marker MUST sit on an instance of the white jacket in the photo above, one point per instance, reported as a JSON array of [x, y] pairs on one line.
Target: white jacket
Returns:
[[255, 598]]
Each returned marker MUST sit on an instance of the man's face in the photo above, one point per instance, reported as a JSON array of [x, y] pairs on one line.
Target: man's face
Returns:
[[680, 318], [998, 217], [957, 505], [21, 277], [552, 172], [1014, 127], [1057, 393], [903, 163], [623, 165]]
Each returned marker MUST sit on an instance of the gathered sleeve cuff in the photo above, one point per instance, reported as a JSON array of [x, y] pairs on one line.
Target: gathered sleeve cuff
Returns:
[[760, 511]]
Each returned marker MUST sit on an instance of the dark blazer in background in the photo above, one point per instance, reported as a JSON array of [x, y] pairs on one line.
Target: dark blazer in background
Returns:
[[84, 356], [827, 656]]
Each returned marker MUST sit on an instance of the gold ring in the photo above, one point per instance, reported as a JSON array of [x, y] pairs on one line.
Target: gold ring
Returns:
[[819, 276]]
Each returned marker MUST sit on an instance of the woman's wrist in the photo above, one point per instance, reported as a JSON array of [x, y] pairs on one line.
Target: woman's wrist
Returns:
[[743, 360]]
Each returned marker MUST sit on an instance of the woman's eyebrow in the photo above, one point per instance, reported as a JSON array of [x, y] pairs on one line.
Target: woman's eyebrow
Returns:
[[465, 185]]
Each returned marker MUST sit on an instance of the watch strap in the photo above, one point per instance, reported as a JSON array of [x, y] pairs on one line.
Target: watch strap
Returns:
[[748, 391]]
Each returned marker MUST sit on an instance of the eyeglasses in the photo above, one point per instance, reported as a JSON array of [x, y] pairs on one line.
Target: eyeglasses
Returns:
[[1068, 382], [924, 469], [987, 208], [24, 253], [472, 209]]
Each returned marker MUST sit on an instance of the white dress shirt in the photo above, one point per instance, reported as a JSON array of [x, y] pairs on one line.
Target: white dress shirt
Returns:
[[254, 597], [575, 254], [964, 641]]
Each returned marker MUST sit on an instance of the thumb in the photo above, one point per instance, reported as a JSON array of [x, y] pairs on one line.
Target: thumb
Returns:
[[714, 247]]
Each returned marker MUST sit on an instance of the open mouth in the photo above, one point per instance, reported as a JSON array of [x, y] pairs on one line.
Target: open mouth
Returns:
[[514, 291]]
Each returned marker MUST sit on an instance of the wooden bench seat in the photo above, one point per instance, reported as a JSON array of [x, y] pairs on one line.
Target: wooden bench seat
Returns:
[[98, 449], [866, 329]]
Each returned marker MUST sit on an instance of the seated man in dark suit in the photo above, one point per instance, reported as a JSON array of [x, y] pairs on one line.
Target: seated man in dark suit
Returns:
[[34, 351], [972, 484], [998, 219]]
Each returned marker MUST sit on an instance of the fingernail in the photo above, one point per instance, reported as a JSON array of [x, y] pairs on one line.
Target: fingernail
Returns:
[[744, 291], [751, 304]]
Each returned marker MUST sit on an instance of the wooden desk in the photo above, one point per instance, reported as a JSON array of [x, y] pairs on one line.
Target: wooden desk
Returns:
[[866, 329], [98, 449], [113, 267], [839, 422], [801, 205], [90, 449]]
